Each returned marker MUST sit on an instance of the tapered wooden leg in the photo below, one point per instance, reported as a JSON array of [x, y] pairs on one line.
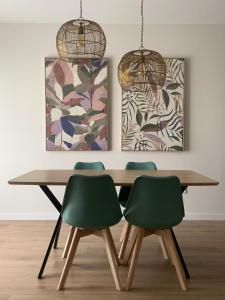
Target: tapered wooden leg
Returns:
[[69, 260], [110, 254], [68, 242], [134, 259], [163, 246], [130, 247], [125, 240], [175, 259], [170, 258], [114, 249], [125, 225]]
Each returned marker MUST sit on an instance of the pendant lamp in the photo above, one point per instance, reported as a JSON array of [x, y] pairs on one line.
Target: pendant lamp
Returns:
[[142, 67], [80, 39]]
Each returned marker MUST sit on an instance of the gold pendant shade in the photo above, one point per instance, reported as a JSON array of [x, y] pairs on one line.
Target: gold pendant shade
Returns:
[[142, 67], [80, 39]]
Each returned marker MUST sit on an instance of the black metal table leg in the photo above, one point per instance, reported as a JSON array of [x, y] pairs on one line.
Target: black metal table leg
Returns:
[[57, 236], [183, 188], [49, 247], [56, 231], [180, 255], [51, 197]]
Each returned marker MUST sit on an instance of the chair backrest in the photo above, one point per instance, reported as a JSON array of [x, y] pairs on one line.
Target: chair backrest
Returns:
[[91, 202], [131, 165], [98, 165], [148, 165], [155, 202]]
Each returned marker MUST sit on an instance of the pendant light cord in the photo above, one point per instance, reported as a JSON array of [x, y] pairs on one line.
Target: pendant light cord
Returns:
[[142, 24], [81, 10]]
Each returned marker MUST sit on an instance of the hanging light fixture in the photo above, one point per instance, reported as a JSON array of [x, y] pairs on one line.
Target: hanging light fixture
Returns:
[[142, 67], [80, 39]]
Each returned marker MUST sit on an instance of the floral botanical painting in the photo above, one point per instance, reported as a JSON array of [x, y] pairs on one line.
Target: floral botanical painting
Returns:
[[76, 105], [155, 120]]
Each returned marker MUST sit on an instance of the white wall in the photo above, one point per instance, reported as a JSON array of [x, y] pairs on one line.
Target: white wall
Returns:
[[22, 113]]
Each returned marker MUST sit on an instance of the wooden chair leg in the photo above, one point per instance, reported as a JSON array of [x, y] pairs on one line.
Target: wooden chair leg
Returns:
[[130, 247], [125, 240], [134, 259], [114, 248], [125, 225], [110, 255], [163, 247], [69, 260], [68, 242], [170, 258], [175, 259]]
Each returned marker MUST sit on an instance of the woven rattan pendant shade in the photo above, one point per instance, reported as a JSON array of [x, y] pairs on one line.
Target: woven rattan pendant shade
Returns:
[[142, 67], [80, 39]]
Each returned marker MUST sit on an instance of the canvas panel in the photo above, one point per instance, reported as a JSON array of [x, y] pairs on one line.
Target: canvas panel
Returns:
[[155, 121], [76, 105]]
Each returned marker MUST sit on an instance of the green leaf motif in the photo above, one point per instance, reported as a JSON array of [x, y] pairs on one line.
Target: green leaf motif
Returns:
[[176, 94], [89, 138], [177, 148], [81, 88], [154, 116], [67, 89], [51, 102], [52, 138], [83, 75], [80, 130], [149, 127], [173, 86], [65, 112], [146, 116], [103, 100], [139, 117], [166, 98], [75, 119]]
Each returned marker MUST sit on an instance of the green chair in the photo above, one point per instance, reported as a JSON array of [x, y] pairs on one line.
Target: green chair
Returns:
[[125, 190], [90, 206], [98, 165], [155, 205], [123, 198]]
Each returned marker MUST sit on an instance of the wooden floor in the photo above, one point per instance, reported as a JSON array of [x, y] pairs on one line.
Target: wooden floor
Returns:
[[22, 244]]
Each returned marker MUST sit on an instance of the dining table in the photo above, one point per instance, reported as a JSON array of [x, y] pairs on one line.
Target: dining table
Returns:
[[46, 178]]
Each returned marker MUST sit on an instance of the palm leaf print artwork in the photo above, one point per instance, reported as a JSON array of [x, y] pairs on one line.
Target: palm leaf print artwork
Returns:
[[76, 105], [155, 121]]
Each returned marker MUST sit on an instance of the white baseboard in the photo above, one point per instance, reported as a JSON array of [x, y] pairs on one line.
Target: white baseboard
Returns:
[[205, 216], [29, 216], [54, 216]]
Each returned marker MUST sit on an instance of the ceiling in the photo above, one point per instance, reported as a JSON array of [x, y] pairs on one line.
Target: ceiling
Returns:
[[114, 11]]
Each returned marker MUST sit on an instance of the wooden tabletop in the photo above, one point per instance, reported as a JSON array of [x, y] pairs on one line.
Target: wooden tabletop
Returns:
[[120, 177]]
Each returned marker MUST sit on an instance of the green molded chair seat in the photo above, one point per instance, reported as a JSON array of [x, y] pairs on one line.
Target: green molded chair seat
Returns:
[[82, 166], [125, 190], [123, 198], [90, 202], [155, 202], [98, 165], [154, 206], [90, 206]]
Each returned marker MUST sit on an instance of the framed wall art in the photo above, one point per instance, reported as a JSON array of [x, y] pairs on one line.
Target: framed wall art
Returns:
[[155, 121], [76, 105]]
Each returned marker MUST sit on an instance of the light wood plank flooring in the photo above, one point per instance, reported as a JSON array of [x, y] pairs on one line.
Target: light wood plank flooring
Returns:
[[22, 245]]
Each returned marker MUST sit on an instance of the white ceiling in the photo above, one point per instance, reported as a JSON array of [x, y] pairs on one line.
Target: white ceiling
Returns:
[[114, 11]]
